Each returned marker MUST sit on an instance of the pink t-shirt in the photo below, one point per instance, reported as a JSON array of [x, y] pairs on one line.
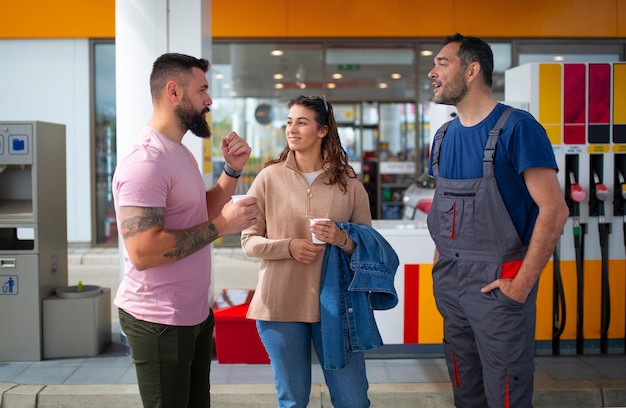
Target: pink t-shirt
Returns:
[[159, 172]]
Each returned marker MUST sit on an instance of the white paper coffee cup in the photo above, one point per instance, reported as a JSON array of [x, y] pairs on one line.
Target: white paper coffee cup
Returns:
[[239, 197], [312, 222]]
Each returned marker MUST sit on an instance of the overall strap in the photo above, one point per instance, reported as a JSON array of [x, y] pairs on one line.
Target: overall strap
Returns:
[[490, 147], [438, 138]]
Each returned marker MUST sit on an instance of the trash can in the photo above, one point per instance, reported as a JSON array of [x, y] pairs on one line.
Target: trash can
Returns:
[[76, 324], [236, 337]]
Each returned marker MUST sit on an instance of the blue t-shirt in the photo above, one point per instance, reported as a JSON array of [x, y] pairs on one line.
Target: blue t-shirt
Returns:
[[522, 144]]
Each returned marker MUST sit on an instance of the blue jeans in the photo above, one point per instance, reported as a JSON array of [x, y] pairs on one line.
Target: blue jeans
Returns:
[[288, 345]]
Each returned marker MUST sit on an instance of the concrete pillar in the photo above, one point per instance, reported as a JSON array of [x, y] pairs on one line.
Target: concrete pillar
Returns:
[[145, 29]]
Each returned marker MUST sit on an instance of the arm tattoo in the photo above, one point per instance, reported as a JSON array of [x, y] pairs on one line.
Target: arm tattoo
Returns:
[[186, 241], [150, 218], [191, 240]]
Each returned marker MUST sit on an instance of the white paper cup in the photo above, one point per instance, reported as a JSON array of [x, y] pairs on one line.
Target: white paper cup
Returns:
[[240, 197], [312, 222]]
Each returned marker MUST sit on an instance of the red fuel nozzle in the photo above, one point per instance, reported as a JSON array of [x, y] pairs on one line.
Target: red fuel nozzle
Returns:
[[576, 192], [602, 192]]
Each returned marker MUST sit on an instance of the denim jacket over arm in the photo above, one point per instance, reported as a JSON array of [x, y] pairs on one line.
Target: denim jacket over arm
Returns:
[[352, 288]]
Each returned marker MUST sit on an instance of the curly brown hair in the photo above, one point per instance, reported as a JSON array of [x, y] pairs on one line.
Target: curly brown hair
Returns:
[[335, 159]]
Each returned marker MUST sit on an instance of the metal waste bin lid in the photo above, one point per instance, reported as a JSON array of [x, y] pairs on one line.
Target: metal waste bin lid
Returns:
[[71, 292]]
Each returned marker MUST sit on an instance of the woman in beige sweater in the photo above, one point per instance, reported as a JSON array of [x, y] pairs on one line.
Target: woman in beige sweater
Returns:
[[311, 178]]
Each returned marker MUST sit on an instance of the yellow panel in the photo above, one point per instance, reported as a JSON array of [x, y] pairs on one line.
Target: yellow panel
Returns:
[[591, 297], [207, 164], [414, 18], [332, 18], [57, 19], [598, 148], [617, 283], [537, 18], [554, 133], [430, 323], [371, 18], [619, 92], [621, 19], [550, 104], [245, 18], [568, 273], [543, 330]]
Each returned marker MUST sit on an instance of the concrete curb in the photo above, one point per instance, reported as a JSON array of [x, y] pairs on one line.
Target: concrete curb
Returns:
[[548, 394]]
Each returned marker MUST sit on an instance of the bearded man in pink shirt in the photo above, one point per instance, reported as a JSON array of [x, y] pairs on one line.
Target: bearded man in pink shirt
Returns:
[[167, 219]]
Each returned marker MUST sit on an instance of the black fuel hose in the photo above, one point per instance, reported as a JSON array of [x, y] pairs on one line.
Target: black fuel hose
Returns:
[[579, 244], [605, 311], [558, 304]]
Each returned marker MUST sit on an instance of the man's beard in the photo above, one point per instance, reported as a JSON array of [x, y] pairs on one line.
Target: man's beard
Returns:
[[454, 94], [194, 121]]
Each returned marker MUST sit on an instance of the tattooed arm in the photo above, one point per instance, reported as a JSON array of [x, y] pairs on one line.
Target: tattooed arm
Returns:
[[149, 244]]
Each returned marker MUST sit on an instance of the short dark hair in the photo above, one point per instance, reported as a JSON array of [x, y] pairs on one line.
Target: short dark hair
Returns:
[[170, 66], [473, 49]]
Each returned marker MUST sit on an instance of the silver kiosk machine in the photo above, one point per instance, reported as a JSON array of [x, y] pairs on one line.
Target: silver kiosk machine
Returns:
[[33, 232]]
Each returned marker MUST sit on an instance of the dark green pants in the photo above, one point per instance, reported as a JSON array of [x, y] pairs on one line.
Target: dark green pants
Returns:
[[172, 362]]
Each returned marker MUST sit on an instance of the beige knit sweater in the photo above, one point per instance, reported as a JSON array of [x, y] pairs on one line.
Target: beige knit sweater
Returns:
[[288, 291]]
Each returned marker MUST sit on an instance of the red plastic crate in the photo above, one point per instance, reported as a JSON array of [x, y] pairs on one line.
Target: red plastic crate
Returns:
[[236, 338]]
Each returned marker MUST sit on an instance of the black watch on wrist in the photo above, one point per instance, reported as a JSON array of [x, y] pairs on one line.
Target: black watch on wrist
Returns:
[[230, 172]]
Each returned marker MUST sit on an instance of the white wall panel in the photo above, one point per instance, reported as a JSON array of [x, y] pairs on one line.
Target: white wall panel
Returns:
[[48, 80]]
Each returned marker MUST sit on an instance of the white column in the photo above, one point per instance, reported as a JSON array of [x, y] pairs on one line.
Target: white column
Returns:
[[145, 29]]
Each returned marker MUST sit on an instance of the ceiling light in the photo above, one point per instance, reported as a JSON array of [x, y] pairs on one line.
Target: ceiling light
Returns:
[[278, 76], [219, 76], [279, 86], [331, 85], [396, 75], [337, 75], [233, 93], [383, 85], [226, 86], [276, 53], [559, 58], [302, 85], [426, 53]]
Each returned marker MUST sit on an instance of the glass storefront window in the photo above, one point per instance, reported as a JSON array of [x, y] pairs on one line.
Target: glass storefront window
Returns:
[[369, 73], [372, 89], [266, 70], [104, 136], [348, 117]]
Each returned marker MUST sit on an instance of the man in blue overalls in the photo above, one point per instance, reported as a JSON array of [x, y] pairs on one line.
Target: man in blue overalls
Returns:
[[496, 217]]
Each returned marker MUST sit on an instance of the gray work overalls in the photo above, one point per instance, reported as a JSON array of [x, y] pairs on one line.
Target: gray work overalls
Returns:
[[488, 337]]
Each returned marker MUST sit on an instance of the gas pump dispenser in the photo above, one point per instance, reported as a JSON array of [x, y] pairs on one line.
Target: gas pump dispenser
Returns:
[[582, 108]]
